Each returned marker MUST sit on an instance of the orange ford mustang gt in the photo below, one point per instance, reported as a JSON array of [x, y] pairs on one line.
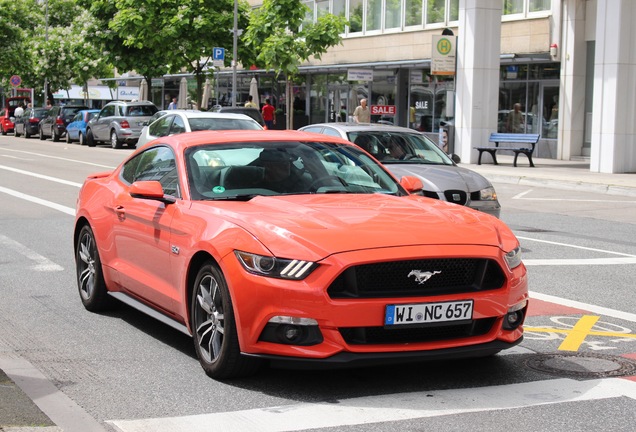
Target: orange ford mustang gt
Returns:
[[296, 248]]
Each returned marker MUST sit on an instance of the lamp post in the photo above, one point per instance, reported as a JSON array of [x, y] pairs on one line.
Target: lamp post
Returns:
[[46, 38], [234, 52]]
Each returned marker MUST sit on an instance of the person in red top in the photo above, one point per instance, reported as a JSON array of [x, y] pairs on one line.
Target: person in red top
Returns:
[[268, 115]]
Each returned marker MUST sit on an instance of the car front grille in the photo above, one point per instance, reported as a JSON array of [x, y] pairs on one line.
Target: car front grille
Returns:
[[418, 278], [456, 196], [382, 335]]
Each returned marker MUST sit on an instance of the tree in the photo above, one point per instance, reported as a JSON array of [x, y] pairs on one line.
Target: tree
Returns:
[[15, 56], [155, 37], [283, 39]]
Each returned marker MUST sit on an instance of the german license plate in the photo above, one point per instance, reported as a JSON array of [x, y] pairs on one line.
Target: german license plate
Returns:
[[426, 313]]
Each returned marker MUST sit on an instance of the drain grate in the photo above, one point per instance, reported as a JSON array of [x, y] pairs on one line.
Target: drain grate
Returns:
[[582, 365]]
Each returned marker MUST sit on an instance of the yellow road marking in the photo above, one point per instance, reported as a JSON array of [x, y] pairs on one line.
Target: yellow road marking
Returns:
[[577, 334]]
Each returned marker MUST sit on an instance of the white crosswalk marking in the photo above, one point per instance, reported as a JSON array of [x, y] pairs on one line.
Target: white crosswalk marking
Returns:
[[386, 408]]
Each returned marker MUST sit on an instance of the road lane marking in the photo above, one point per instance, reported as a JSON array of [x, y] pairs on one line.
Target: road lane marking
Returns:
[[578, 261], [41, 263], [58, 158], [40, 201], [388, 408], [521, 196], [598, 310], [575, 246], [41, 176]]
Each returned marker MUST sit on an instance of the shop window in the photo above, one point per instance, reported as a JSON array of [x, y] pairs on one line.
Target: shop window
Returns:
[[413, 13], [435, 11]]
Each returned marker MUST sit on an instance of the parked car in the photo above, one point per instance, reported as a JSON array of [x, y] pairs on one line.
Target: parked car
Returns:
[[7, 113], [76, 129], [119, 123], [295, 248], [29, 123], [154, 117], [251, 112], [439, 173], [54, 122], [176, 122]]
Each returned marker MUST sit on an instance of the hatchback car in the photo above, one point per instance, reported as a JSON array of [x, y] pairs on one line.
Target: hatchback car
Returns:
[[250, 112], [119, 123], [295, 248], [439, 173], [54, 122], [7, 113], [177, 121], [76, 129], [29, 124]]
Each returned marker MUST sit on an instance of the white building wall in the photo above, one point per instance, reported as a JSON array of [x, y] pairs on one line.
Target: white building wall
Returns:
[[614, 118]]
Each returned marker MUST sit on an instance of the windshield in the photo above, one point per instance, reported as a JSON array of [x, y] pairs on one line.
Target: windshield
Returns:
[[400, 147], [244, 170], [211, 123]]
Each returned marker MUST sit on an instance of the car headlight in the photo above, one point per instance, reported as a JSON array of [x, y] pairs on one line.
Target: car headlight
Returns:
[[488, 194], [270, 266], [513, 258]]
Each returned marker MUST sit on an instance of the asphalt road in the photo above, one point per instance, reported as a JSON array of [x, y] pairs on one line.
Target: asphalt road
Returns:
[[123, 371]]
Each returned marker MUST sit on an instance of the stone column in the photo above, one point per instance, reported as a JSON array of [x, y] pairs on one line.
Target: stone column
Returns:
[[478, 48], [614, 118]]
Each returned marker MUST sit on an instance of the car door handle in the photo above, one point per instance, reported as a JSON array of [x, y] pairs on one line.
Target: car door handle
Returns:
[[120, 212]]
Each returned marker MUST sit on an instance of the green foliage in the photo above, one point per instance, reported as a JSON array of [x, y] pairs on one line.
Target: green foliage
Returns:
[[17, 18]]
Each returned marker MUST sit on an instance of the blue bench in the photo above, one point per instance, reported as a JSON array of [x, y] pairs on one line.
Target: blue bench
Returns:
[[516, 140]]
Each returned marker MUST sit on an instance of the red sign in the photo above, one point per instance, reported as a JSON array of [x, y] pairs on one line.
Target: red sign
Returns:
[[15, 80], [383, 110]]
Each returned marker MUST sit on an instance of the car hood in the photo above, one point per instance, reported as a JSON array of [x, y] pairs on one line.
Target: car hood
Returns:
[[440, 178], [314, 226]]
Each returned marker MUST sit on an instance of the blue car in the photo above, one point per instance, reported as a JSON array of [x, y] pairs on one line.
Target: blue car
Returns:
[[76, 129]]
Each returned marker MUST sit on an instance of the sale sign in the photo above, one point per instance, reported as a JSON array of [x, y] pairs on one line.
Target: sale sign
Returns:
[[383, 110]]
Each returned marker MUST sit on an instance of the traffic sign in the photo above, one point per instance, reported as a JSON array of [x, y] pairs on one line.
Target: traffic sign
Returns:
[[218, 53], [15, 80]]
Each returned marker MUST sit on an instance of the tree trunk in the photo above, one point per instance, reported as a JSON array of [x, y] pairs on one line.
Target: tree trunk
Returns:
[[288, 104]]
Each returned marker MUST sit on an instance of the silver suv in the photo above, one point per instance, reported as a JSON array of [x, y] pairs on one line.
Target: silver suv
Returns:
[[119, 122]]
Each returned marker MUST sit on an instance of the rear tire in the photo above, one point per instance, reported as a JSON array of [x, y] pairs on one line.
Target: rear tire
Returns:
[[26, 134], [2, 131], [15, 132], [114, 141], [90, 279], [214, 327]]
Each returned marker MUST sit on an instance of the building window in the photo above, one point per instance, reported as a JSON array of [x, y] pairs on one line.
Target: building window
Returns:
[[454, 10], [374, 15], [435, 11], [540, 5], [413, 12], [511, 7], [355, 16], [393, 14]]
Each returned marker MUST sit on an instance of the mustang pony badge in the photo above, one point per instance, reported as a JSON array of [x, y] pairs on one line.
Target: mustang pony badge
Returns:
[[421, 276]]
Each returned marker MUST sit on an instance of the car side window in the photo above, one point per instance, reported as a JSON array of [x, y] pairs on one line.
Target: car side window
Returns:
[[161, 127], [156, 163], [178, 126]]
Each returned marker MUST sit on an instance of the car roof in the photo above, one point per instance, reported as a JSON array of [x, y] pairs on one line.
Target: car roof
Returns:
[[208, 114], [183, 141]]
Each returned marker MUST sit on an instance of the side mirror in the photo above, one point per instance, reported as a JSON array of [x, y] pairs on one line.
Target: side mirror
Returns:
[[411, 184], [150, 190], [12, 119], [456, 158]]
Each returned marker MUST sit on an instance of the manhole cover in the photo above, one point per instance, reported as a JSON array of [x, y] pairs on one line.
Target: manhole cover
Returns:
[[582, 365]]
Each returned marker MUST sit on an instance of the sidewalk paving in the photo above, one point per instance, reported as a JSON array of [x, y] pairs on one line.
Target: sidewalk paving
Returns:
[[18, 412], [557, 174]]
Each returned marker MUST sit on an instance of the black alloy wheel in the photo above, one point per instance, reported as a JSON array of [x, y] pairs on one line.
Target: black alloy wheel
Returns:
[[214, 327]]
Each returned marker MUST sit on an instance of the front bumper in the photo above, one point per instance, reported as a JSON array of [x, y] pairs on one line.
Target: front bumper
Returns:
[[258, 299]]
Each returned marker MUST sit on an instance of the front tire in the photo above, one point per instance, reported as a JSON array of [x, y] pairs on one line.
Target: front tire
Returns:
[[54, 136], [90, 138], [68, 138], [15, 132], [42, 137], [82, 139], [90, 279], [214, 327], [114, 141]]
